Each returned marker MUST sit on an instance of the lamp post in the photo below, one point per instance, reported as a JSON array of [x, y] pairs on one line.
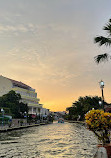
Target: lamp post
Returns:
[[2, 110], [102, 86], [25, 116]]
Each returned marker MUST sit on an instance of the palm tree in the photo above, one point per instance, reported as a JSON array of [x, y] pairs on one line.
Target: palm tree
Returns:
[[104, 41]]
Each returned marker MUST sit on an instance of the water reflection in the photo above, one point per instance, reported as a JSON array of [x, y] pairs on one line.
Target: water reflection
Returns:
[[49, 141]]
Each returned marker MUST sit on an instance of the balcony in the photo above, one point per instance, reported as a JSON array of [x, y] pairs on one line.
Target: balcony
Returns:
[[34, 105], [29, 98], [21, 90], [26, 94]]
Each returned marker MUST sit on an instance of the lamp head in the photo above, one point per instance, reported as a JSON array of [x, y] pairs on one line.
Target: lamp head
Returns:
[[2, 110], [101, 84], [100, 102]]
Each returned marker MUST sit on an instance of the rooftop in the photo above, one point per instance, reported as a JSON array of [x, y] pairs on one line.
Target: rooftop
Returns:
[[20, 84]]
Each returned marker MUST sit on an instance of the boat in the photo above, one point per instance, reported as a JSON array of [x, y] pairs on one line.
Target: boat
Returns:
[[60, 120]]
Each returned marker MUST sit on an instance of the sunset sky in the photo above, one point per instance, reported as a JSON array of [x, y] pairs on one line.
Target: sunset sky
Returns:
[[49, 45]]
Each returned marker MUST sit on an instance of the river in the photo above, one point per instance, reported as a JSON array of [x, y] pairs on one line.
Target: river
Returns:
[[57, 140]]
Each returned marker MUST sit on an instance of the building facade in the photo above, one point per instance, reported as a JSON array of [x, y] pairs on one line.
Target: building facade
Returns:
[[27, 93]]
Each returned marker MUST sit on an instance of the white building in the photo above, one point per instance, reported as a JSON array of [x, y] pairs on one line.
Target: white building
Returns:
[[45, 112], [27, 93]]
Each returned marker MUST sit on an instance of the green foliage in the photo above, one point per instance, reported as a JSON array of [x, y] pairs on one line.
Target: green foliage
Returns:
[[7, 111], [104, 41], [13, 102], [82, 106]]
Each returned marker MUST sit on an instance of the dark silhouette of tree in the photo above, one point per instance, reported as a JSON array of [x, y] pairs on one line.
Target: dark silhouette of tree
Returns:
[[82, 106], [12, 101], [104, 41]]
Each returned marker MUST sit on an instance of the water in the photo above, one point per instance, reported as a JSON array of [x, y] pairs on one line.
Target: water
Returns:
[[68, 140]]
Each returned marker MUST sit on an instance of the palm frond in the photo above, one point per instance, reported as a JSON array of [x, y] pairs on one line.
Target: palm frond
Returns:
[[108, 27], [102, 40], [101, 58]]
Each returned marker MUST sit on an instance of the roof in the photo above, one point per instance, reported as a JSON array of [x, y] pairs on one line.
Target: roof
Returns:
[[19, 84]]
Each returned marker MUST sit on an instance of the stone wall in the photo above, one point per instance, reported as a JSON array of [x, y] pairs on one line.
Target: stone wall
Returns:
[[18, 122]]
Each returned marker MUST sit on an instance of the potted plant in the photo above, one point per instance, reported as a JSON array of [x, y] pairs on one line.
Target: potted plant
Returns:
[[99, 122]]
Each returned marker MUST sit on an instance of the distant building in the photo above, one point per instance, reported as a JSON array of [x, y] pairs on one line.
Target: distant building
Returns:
[[45, 112], [58, 115], [27, 93]]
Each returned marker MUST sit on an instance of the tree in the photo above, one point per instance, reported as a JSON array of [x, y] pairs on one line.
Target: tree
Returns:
[[12, 101], [104, 41], [82, 106]]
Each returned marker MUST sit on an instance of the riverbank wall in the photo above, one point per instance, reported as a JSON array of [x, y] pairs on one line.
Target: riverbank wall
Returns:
[[79, 122], [6, 128]]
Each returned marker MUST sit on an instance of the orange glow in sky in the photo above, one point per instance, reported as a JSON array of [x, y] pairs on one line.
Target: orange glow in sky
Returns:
[[49, 45]]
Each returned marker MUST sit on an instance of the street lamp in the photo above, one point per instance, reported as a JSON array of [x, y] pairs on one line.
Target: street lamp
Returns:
[[25, 116], [102, 86], [2, 110], [100, 103]]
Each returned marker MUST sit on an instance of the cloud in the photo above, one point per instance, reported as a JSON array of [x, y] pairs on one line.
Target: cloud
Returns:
[[29, 61], [17, 28]]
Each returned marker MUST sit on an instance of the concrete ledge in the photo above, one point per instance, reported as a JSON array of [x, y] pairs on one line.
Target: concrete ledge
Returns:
[[20, 127], [81, 122]]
